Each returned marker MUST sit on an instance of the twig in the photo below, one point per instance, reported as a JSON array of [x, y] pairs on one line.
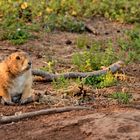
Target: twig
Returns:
[[90, 29], [15, 118], [48, 77], [134, 106]]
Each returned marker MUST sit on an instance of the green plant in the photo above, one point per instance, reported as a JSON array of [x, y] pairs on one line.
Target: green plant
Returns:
[[60, 83], [82, 41], [121, 97], [16, 31], [72, 25], [64, 23], [94, 57], [123, 10], [50, 67], [101, 81], [131, 47], [18, 36]]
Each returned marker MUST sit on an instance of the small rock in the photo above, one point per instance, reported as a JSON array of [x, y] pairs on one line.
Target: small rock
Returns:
[[88, 47], [118, 31], [106, 33], [68, 42], [39, 56], [48, 99]]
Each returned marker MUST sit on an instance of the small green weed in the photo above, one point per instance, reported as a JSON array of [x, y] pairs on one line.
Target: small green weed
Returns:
[[131, 47], [82, 41], [101, 81], [50, 67], [60, 83], [121, 97], [19, 36], [17, 32], [64, 23]]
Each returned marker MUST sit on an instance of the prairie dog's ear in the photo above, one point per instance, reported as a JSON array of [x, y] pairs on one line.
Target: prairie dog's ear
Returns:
[[17, 58]]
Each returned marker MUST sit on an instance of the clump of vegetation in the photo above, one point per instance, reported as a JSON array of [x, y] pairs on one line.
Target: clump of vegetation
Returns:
[[65, 23], [65, 15], [60, 83], [72, 25], [123, 11], [121, 97], [18, 37], [15, 31], [131, 47], [50, 67], [94, 57], [101, 81], [82, 42]]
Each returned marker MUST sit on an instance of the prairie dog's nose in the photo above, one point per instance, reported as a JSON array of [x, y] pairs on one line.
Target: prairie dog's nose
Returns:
[[29, 63]]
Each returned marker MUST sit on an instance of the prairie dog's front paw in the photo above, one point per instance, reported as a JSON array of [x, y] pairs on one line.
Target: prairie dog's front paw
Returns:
[[7, 102], [16, 98], [25, 101]]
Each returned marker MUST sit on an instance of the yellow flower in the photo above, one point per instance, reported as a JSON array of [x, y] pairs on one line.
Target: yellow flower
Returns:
[[50, 64], [1, 15], [40, 14], [24, 5], [63, 2], [73, 13], [94, 1], [49, 10]]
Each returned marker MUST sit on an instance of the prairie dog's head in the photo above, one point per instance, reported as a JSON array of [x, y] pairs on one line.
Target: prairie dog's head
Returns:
[[18, 62]]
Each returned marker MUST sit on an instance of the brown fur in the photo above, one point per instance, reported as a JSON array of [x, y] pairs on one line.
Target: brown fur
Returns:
[[16, 78]]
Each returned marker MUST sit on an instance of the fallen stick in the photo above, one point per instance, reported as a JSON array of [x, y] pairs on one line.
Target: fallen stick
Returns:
[[48, 77], [15, 118], [134, 106], [91, 29]]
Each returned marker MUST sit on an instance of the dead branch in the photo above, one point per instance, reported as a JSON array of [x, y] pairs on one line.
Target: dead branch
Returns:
[[15, 118], [91, 29], [48, 77], [134, 105]]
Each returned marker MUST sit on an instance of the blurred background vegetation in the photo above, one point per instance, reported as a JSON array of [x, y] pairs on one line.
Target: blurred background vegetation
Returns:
[[23, 19], [68, 15]]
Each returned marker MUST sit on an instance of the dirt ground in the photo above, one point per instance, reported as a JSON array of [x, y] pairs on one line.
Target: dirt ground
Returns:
[[107, 120]]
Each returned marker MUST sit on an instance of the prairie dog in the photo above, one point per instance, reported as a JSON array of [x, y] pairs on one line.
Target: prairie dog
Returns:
[[16, 78]]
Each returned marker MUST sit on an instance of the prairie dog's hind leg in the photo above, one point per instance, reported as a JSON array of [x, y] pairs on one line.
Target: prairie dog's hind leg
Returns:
[[26, 95], [6, 98]]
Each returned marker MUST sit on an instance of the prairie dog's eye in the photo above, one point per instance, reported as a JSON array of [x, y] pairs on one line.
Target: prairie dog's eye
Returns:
[[17, 57]]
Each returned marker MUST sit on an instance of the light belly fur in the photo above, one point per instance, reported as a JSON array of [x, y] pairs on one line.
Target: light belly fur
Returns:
[[18, 85]]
